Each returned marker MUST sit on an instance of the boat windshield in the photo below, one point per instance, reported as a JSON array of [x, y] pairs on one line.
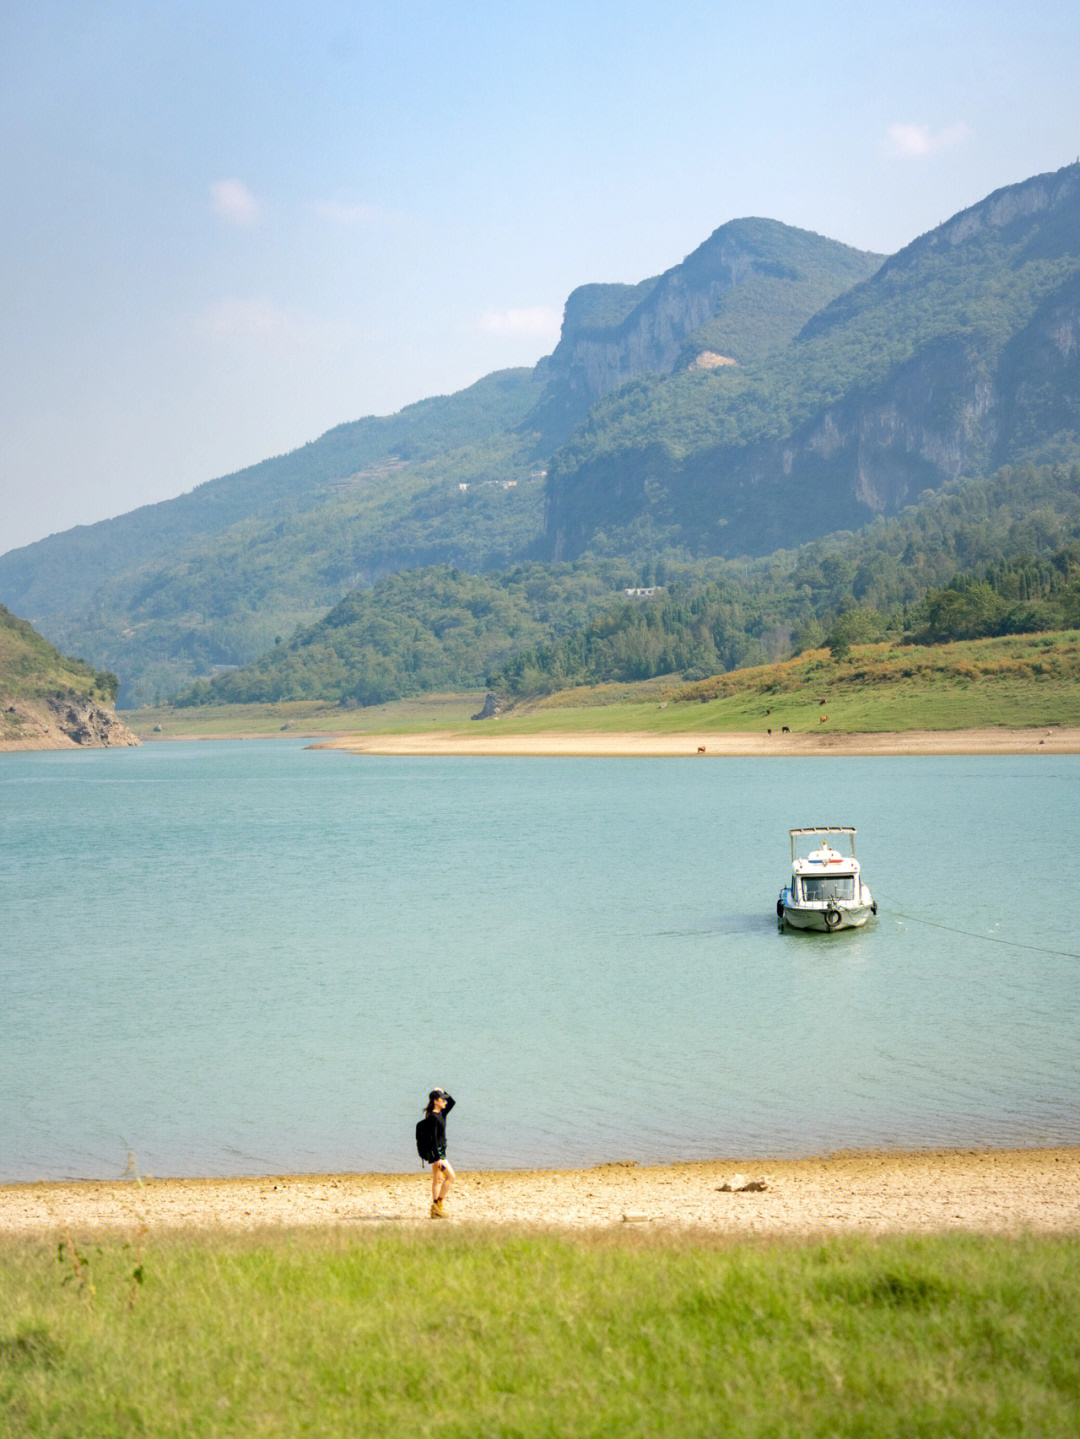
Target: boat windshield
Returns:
[[833, 886]]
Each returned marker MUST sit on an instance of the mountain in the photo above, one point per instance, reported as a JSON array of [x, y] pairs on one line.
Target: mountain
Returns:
[[48, 701], [960, 354], [212, 578], [772, 387]]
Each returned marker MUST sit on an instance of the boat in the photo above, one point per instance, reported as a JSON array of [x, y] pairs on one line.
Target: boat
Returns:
[[826, 890]]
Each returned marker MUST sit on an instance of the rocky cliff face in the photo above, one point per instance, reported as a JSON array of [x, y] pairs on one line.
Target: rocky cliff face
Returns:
[[60, 723], [614, 333], [652, 338]]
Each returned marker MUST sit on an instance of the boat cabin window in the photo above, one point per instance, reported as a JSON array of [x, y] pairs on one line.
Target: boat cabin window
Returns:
[[833, 886]]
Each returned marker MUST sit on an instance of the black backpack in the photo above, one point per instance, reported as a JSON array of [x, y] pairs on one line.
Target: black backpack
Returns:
[[425, 1140]]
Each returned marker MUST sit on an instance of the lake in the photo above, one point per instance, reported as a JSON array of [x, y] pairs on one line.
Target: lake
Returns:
[[250, 958]]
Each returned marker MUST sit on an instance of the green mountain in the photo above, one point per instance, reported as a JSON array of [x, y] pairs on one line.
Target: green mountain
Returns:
[[212, 578], [960, 354], [772, 388]]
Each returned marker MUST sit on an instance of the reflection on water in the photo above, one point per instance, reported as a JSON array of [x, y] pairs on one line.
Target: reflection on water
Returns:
[[247, 958]]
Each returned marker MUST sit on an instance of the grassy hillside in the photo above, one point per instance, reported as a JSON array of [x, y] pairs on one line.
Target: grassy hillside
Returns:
[[1015, 682], [31, 668]]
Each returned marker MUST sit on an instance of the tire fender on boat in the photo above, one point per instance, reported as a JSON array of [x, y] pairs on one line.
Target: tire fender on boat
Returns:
[[833, 918]]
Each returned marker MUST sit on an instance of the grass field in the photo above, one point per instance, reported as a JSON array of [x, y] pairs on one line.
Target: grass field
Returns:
[[425, 712], [464, 1334], [1017, 681]]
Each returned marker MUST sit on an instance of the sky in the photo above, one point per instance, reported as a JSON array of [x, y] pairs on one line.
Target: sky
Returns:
[[228, 227]]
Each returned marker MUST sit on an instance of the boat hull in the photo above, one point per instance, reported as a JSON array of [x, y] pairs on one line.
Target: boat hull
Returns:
[[826, 920]]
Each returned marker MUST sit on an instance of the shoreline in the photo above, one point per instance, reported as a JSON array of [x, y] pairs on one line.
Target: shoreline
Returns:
[[648, 744], [1049, 739], [988, 1191]]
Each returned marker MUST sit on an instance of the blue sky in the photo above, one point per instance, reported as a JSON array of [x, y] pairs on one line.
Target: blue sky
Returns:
[[228, 227]]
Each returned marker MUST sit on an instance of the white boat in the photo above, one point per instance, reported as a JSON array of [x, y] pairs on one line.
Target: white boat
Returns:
[[826, 890]]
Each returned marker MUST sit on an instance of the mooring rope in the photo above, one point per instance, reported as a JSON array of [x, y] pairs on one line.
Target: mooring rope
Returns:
[[974, 934]]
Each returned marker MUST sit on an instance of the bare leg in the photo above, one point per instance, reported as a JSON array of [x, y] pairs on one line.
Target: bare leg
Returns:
[[442, 1176]]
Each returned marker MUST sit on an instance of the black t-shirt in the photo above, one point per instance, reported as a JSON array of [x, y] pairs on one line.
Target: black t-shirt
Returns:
[[435, 1124]]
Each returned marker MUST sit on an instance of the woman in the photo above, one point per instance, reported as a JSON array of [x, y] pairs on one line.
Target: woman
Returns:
[[439, 1106]]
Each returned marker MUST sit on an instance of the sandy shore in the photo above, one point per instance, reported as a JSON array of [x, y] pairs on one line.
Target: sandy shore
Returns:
[[1058, 739], [988, 1191]]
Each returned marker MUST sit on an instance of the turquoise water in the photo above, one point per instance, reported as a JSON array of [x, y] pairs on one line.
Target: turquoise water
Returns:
[[243, 958]]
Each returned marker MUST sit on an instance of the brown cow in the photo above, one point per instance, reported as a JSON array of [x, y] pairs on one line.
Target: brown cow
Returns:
[[701, 749]]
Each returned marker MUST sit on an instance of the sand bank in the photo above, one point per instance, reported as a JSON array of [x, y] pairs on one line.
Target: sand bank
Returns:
[[1058, 739], [988, 1191]]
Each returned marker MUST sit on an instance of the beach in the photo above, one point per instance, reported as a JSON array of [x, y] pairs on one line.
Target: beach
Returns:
[[1049, 739], [885, 1192]]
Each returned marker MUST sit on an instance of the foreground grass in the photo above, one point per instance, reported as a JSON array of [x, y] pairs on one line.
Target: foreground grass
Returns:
[[1018, 681], [452, 1333]]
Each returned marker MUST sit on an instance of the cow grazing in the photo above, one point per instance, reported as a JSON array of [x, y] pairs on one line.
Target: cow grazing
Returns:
[[784, 729], [701, 749]]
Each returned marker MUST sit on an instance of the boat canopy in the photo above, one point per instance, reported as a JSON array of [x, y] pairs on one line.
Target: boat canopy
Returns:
[[822, 829]]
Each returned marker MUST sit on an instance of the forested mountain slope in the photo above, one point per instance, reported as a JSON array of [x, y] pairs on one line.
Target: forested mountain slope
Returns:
[[536, 628], [212, 578], [961, 353]]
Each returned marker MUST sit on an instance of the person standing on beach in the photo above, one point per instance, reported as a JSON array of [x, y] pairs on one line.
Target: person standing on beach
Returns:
[[431, 1140]]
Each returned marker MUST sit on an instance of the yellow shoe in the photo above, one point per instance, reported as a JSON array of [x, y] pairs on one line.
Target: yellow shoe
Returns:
[[437, 1210]]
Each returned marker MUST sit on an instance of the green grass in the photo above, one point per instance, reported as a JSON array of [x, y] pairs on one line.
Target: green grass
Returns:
[[464, 1334], [314, 717], [30, 667]]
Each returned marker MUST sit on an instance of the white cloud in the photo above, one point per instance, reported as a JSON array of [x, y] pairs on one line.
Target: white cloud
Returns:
[[919, 141], [233, 201], [538, 321]]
